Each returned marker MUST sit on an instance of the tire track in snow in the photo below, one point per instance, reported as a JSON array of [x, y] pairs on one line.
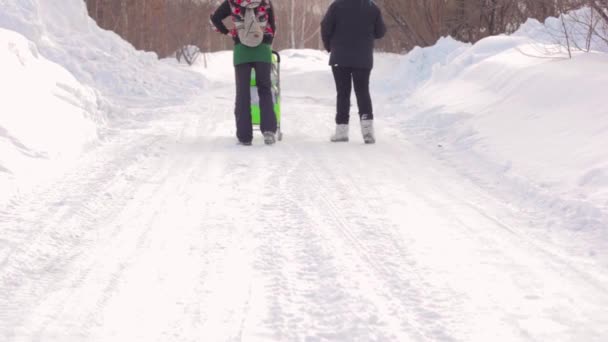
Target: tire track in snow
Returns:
[[181, 203], [55, 227], [90, 274], [397, 279], [312, 296], [509, 254]]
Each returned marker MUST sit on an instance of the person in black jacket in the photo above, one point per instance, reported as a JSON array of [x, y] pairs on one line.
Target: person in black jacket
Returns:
[[349, 30]]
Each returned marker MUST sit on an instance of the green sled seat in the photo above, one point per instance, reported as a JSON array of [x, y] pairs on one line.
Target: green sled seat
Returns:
[[275, 78]]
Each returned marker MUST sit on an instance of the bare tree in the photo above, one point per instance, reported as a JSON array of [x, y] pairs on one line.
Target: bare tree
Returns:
[[166, 26]]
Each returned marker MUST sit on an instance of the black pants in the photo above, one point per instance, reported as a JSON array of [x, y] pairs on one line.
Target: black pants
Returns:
[[345, 77], [242, 109]]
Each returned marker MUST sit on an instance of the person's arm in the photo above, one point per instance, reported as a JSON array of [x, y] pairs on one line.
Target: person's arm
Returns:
[[220, 14], [271, 18], [379, 26], [327, 28]]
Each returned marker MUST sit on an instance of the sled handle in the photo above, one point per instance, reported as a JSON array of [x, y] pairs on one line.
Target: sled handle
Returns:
[[278, 56]]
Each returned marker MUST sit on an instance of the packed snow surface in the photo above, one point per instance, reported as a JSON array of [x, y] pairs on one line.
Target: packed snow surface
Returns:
[[128, 212]]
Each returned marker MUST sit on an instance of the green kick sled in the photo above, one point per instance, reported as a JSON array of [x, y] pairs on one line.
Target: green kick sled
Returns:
[[275, 77]]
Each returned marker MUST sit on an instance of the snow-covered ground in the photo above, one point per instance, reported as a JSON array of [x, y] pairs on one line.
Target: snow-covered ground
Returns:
[[128, 213]]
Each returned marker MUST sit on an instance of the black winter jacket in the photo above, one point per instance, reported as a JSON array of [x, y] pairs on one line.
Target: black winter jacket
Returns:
[[349, 29]]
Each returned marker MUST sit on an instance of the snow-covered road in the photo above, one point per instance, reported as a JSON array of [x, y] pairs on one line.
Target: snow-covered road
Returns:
[[172, 232]]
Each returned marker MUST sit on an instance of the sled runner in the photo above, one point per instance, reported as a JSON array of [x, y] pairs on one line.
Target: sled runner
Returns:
[[275, 78]]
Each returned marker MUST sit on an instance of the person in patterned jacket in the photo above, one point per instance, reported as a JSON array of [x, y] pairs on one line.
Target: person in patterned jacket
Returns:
[[248, 56]]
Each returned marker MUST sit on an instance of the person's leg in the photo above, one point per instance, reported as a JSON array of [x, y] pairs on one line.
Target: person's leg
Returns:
[[268, 119], [364, 99], [343, 79], [242, 108]]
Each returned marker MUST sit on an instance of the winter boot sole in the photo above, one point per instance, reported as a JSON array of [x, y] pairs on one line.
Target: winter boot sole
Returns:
[[269, 138]]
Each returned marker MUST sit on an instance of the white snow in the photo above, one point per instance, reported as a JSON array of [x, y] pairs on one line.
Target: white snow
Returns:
[[537, 124], [128, 213], [46, 113], [67, 84]]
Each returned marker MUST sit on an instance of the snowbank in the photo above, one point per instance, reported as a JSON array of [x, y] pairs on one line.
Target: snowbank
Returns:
[[47, 116], [64, 81], [65, 34], [409, 72], [551, 34], [511, 114]]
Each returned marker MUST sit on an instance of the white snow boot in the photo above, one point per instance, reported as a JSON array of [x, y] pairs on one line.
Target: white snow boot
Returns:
[[341, 134], [269, 138], [367, 129]]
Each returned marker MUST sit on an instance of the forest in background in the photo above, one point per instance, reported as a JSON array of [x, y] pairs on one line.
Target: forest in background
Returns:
[[165, 26]]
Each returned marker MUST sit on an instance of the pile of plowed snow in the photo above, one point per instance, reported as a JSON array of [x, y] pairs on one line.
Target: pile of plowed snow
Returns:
[[64, 80], [515, 112]]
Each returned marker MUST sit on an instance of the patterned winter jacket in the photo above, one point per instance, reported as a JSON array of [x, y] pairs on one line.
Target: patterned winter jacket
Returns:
[[226, 10]]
